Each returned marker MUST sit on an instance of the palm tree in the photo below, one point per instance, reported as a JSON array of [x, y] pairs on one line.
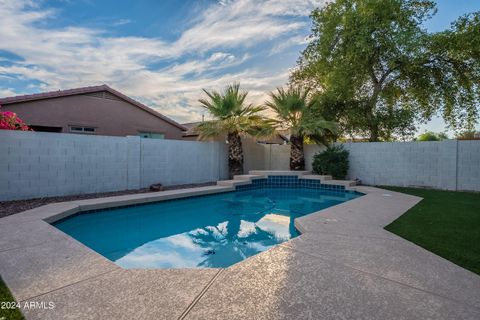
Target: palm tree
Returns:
[[234, 119], [297, 111]]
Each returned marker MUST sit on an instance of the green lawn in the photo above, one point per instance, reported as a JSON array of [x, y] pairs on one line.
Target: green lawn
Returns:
[[444, 222], [5, 295]]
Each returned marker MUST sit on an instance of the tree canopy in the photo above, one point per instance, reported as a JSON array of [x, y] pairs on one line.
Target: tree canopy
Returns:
[[380, 71]]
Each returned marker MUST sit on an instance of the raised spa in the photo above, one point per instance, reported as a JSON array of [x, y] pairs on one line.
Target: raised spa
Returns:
[[200, 232]]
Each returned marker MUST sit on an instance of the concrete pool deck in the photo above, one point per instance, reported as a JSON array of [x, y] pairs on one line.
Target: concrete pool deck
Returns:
[[344, 265]]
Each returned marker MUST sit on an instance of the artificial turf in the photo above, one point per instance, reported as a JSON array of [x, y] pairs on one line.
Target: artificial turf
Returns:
[[6, 296], [446, 223]]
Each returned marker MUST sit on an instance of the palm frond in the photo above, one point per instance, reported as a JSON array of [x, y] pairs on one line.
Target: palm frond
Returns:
[[298, 111], [289, 104], [256, 126], [232, 114], [210, 129]]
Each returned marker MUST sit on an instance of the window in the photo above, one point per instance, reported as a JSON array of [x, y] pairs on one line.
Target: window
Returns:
[[152, 135], [77, 129]]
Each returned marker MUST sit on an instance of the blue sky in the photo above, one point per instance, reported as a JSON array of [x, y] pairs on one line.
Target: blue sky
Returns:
[[162, 52]]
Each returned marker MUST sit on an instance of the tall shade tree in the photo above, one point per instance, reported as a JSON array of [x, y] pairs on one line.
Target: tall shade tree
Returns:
[[233, 118], [297, 112], [385, 71]]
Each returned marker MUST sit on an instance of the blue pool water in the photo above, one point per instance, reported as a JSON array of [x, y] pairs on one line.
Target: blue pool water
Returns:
[[207, 231]]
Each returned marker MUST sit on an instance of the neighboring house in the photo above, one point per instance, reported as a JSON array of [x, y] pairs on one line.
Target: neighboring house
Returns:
[[98, 110], [190, 134], [281, 137]]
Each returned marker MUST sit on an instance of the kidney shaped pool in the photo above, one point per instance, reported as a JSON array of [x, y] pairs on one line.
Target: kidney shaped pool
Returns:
[[199, 232]]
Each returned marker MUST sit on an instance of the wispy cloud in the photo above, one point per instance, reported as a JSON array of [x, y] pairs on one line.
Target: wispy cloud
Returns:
[[5, 92], [292, 41], [121, 22], [223, 44]]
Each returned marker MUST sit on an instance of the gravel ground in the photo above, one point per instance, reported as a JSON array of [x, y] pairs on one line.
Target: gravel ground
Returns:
[[11, 207]]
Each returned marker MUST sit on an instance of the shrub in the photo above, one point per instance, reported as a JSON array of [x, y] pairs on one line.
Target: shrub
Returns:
[[432, 136], [10, 121], [333, 161]]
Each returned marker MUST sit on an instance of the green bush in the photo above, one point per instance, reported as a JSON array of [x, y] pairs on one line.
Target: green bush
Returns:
[[432, 136], [333, 161]]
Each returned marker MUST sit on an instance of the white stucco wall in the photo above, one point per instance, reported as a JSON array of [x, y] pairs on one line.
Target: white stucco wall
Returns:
[[37, 164]]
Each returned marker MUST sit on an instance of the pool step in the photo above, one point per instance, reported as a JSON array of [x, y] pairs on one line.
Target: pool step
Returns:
[[233, 183], [279, 172], [248, 177], [316, 177], [327, 179], [346, 183], [239, 180]]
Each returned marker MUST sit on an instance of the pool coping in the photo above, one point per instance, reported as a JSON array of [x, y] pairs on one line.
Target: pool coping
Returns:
[[24, 234]]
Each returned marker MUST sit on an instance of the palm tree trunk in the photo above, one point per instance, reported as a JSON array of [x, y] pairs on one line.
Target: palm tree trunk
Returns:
[[235, 154], [297, 158]]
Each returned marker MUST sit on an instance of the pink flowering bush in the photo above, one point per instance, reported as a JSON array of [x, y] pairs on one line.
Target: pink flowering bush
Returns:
[[10, 121]]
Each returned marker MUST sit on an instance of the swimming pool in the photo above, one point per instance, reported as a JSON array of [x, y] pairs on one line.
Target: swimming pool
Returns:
[[199, 232]]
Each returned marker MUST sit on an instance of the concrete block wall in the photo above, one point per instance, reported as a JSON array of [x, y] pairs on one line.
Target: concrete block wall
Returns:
[[277, 157], [448, 165], [172, 162], [274, 156], [253, 154], [45, 164], [37, 164], [420, 164], [134, 157], [468, 165]]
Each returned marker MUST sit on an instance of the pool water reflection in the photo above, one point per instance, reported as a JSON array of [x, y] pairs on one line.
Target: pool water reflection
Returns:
[[208, 231]]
